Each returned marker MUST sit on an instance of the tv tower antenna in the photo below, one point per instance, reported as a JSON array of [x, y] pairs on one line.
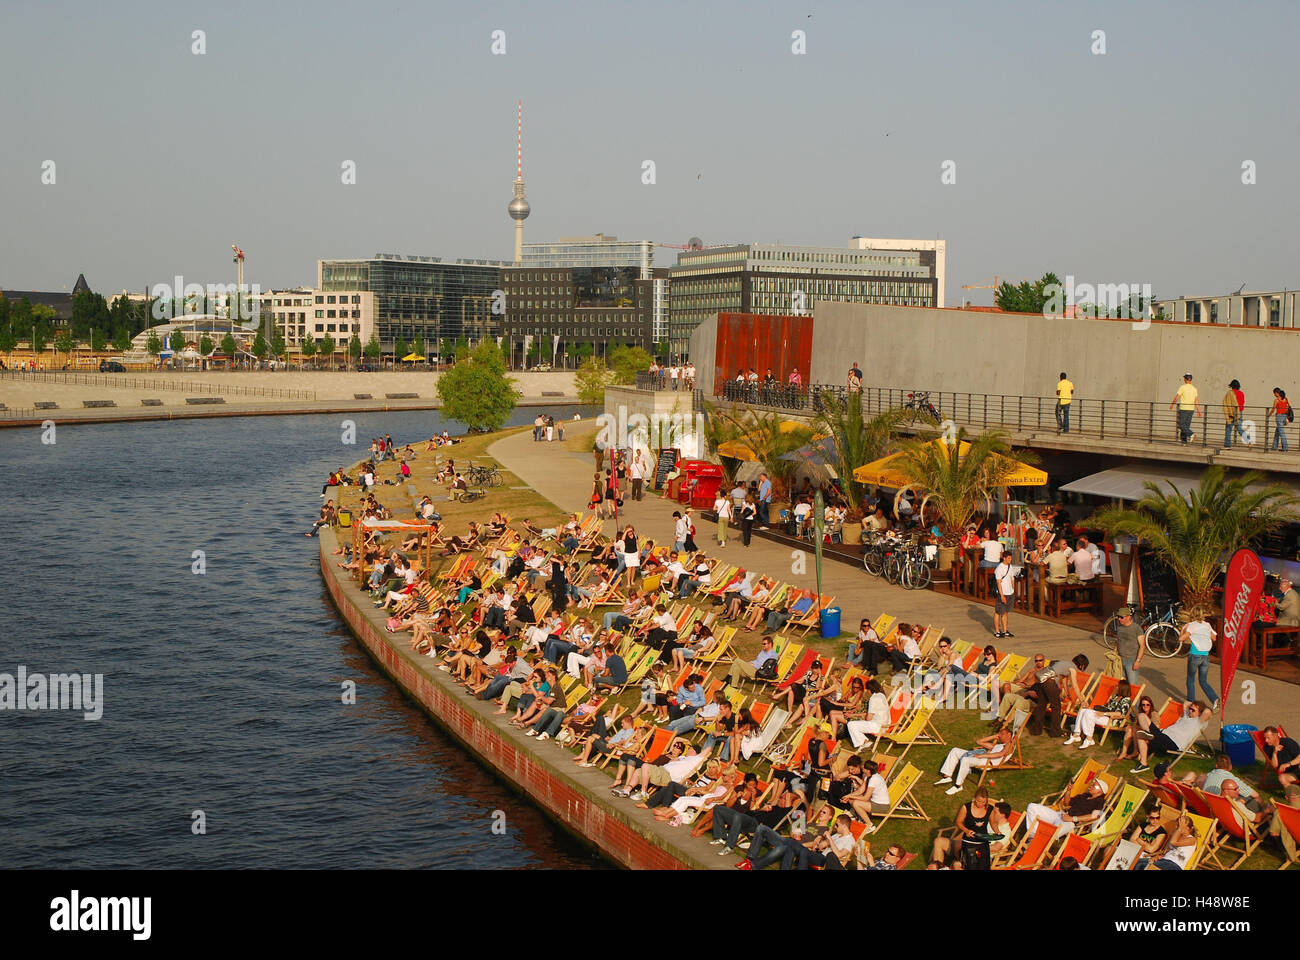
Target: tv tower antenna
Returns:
[[519, 208]]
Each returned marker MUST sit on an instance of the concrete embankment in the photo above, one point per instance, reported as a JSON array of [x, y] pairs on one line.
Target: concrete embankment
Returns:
[[578, 799]]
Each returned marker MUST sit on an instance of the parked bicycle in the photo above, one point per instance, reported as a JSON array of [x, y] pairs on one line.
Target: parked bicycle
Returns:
[[1160, 628], [482, 476], [920, 403], [898, 561]]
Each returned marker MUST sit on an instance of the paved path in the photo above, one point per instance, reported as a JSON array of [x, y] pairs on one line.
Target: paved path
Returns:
[[564, 478]]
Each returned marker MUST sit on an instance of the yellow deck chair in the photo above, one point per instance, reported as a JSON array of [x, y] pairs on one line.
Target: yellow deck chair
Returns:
[[903, 804], [917, 728]]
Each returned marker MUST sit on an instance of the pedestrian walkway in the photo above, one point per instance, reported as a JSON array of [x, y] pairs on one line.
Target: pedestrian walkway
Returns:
[[565, 479]]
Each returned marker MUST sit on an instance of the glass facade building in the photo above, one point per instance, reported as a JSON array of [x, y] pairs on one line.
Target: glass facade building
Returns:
[[422, 296], [595, 251], [780, 279]]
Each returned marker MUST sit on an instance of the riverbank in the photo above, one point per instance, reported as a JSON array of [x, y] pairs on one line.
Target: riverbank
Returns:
[[578, 799]]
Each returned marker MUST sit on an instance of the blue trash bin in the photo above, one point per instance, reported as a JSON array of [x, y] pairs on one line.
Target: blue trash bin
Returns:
[[830, 623], [1237, 743]]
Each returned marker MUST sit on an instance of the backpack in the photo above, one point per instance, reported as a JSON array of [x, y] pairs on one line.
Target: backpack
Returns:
[[767, 671], [1290, 414]]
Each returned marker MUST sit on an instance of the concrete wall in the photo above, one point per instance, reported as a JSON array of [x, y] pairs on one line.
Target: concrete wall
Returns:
[[662, 406], [1022, 354]]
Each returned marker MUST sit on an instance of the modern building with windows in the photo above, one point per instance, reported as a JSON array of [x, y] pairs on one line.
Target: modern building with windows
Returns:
[[594, 251], [1243, 309], [769, 278], [417, 296], [551, 310]]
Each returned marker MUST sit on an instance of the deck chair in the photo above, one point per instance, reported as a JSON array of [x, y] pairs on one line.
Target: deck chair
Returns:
[[812, 617], [1232, 826], [1032, 849], [1290, 817], [721, 649], [1102, 689], [1075, 846], [917, 727], [771, 728], [1129, 801], [903, 804], [1016, 759], [797, 672]]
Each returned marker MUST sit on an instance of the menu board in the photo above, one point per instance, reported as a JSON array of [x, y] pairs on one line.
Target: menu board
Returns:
[[667, 460]]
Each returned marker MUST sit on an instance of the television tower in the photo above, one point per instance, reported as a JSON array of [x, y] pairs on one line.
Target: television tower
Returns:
[[519, 208]]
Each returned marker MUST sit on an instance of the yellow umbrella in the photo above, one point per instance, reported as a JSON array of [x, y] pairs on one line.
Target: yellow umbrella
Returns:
[[741, 450], [412, 358], [886, 471]]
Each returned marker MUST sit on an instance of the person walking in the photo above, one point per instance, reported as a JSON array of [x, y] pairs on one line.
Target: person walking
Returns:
[[1200, 635], [722, 507], [1282, 415], [748, 512], [1187, 402], [1130, 644], [1064, 396], [1006, 581], [1234, 405]]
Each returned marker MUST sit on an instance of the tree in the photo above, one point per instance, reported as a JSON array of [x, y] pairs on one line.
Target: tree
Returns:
[[627, 362], [278, 346], [177, 342], [122, 339], [327, 346], [418, 346], [958, 481], [308, 348], [1194, 531], [1026, 297], [8, 339], [260, 346], [98, 339], [65, 342], [476, 391], [354, 349], [768, 437], [399, 349], [154, 343], [229, 347], [206, 346], [720, 428], [373, 349], [857, 440], [591, 380], [661, 350]]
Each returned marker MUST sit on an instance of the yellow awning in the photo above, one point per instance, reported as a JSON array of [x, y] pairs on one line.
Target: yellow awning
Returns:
[[885, 472]]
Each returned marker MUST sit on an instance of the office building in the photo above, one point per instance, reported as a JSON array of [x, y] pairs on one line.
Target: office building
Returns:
[[1242, 309]]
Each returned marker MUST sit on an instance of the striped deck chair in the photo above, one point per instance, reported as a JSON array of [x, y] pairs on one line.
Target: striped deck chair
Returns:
[[903, 804], [1075, 846], [917, 727]]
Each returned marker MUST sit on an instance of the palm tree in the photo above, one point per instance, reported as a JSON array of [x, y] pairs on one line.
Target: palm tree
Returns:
[[1194, 531], [720, 428], [857, 440], [958, 482], [770, 436]]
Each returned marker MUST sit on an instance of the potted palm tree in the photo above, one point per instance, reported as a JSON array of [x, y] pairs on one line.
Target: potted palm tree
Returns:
[[1196, 530], [768, 437], [956, 482], [856, 440]]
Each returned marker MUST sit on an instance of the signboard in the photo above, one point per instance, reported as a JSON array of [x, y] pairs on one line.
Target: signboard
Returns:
[[1241, 593], [667, 460]]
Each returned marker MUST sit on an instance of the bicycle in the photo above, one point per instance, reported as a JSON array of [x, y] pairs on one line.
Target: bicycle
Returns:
[[1160, 630], [920, 403], [483, 476], [468, 496]]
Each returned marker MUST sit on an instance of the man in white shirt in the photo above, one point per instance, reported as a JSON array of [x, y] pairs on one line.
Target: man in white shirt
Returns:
[[681, 530], [636, 471], [802, 511], [1005, 578], [1081, 561], [1176, 737]]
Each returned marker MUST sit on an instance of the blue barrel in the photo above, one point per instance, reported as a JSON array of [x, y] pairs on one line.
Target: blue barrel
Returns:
[[1237, 743], [830, 623]]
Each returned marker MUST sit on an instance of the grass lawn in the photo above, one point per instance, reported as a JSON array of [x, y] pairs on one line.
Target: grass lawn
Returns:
[[1053, 763]]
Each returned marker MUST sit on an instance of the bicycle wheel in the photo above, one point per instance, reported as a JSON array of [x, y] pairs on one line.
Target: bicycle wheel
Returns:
[[923, 576], [872, 562], [1163, 640], [893, 568], [495, 479], [1109, 638]]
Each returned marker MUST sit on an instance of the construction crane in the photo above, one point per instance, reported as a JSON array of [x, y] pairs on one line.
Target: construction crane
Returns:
[[982, 286]]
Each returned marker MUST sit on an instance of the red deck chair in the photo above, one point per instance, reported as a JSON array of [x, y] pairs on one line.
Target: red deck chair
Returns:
[[799, 670]]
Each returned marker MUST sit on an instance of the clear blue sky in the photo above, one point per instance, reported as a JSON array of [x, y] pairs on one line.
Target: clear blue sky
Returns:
[[1117, 168]]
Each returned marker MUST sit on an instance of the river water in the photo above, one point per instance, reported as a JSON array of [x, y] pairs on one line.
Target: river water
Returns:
[[222, 704]]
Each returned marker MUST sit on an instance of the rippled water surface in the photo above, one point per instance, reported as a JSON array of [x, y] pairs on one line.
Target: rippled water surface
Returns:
[[221, 691]]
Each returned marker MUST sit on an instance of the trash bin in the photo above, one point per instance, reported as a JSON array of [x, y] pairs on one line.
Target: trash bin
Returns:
[[1238, 744], [831, 625]]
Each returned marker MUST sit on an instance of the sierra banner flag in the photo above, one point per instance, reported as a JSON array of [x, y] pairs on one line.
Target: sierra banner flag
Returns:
[[1241, 593]]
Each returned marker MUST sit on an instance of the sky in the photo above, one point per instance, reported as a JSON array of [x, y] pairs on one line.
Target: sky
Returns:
[[1117, 167]]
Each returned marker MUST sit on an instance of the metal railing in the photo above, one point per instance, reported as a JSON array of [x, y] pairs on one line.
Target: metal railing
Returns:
[[179, 383], [645, 380], [1134, 420]]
